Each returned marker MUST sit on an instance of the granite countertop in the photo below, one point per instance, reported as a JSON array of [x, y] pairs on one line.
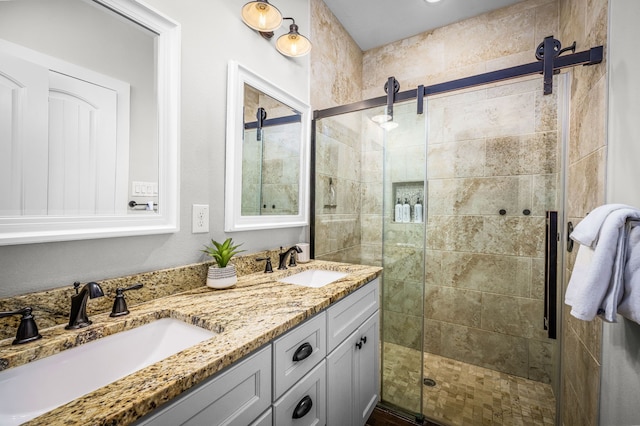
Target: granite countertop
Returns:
[[245, 317]]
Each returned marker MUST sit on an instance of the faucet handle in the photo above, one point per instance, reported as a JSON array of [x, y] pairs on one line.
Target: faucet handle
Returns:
[[268, 267], [27, 330], [119, 304]]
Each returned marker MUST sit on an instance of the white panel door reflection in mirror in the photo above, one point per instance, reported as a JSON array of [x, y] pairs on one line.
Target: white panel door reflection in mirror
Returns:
[[64, 141], [23, 96], [83, 149]]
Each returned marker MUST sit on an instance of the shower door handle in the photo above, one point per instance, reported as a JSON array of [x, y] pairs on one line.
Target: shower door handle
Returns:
[[551, 273]]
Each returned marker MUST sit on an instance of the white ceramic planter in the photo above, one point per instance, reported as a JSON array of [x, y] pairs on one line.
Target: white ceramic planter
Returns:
[[222, 277]]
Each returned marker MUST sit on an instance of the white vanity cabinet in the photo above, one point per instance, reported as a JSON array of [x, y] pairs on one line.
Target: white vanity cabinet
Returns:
[[353, 380], [325, 371]]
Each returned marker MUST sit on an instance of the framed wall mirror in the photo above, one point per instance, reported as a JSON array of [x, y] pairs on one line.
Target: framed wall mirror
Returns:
[[267, 154], [89, 94]]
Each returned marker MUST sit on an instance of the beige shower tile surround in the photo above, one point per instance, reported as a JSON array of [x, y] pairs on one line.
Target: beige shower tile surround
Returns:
[[240, 323]]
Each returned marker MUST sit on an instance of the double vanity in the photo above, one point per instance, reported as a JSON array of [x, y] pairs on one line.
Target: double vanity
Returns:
[[293, 347]]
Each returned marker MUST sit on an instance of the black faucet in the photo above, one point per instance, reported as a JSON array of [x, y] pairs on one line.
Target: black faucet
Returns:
[[119, 304], [282, 264], [27, 330], [78, 316]]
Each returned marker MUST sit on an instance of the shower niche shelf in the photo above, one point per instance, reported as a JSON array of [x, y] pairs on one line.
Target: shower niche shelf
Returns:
[[411, 191]]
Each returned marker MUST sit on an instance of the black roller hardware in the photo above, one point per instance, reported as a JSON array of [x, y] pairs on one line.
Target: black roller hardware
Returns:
[[303, 407], [526, 212], [363, 339], [303, 352], [502, 212]]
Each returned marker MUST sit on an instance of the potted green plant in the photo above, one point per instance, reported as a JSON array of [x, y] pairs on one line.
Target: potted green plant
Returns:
[[223, 274]]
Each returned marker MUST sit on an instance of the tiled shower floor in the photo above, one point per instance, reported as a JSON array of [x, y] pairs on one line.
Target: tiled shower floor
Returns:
[[464, 394]]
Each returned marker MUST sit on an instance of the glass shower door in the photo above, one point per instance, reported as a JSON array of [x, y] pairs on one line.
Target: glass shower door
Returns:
[[494, 167]]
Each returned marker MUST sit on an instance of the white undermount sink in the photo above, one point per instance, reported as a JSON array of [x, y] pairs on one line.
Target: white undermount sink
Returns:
[[313, 278], [32, 389]]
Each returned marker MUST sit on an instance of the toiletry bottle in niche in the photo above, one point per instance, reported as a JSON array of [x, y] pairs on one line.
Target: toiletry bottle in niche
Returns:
[[406, 211], [417, 212], [398, 212]]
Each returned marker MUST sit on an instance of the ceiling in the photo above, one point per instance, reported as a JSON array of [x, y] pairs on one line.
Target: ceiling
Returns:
[[374, 23]]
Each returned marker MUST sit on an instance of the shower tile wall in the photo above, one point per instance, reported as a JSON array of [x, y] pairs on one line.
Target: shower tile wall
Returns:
[[586, 23], [489, 150], [338, 189]]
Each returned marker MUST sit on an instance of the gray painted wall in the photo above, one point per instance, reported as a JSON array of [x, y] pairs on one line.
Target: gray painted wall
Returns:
[[212, 34], [620, 375]]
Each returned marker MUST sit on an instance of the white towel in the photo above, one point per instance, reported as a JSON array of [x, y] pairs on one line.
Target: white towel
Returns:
[[593, 288], [630, 305], [587, 231]]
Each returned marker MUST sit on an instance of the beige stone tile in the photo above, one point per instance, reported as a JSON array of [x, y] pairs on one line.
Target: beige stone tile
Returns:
[[541, 357], [516, 316], [432, 336], [521, 236], [402, 329], [546, 21], [535, 153], [582, 373], [545, 194], [588, 119], [455, 233], [498, 117], [507, 275], [404, 263], [486, 349], [457, 306], [537, 279], [586, 184], [433, 267], [486, 196]]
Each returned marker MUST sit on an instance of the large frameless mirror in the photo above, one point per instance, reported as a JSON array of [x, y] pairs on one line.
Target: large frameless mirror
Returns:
[[267, 154], [89, 101]]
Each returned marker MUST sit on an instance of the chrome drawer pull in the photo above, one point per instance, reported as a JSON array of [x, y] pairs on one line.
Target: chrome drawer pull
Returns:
[[303, 407], [303, 352]]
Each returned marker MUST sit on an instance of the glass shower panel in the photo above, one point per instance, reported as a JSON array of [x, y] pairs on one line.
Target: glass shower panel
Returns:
[[403, 242], [361, 169], [494, 161]]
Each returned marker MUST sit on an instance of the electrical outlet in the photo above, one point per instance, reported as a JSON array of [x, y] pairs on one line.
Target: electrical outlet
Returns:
[[200, 220]]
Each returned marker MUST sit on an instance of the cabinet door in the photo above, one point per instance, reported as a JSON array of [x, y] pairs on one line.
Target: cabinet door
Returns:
[[341, 383], [367, 369], [353, 376]]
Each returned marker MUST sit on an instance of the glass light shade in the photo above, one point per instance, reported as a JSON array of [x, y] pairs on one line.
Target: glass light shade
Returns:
[[381, 118], [261, 16], [293, 44], [389, 125]]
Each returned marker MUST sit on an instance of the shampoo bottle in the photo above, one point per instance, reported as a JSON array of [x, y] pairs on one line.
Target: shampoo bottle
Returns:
[[398, 212], [418, 212], [406, 211]]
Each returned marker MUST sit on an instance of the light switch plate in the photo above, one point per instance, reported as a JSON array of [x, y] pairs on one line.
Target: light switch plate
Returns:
[[200, 220]]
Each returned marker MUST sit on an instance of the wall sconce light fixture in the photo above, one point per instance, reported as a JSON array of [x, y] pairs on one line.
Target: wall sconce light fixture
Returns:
[[293, 43], [261, 16], [265, 18]]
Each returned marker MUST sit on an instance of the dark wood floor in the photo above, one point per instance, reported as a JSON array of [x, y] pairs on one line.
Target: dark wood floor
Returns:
[[384, 417]]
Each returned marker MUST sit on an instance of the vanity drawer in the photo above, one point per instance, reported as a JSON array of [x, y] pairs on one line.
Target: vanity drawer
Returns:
[[297, 352], [236, 396], [344, 317], [307, 398]]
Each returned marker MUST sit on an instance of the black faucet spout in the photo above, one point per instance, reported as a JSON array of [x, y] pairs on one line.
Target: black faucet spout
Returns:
[[78, 316], [282, 264]]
